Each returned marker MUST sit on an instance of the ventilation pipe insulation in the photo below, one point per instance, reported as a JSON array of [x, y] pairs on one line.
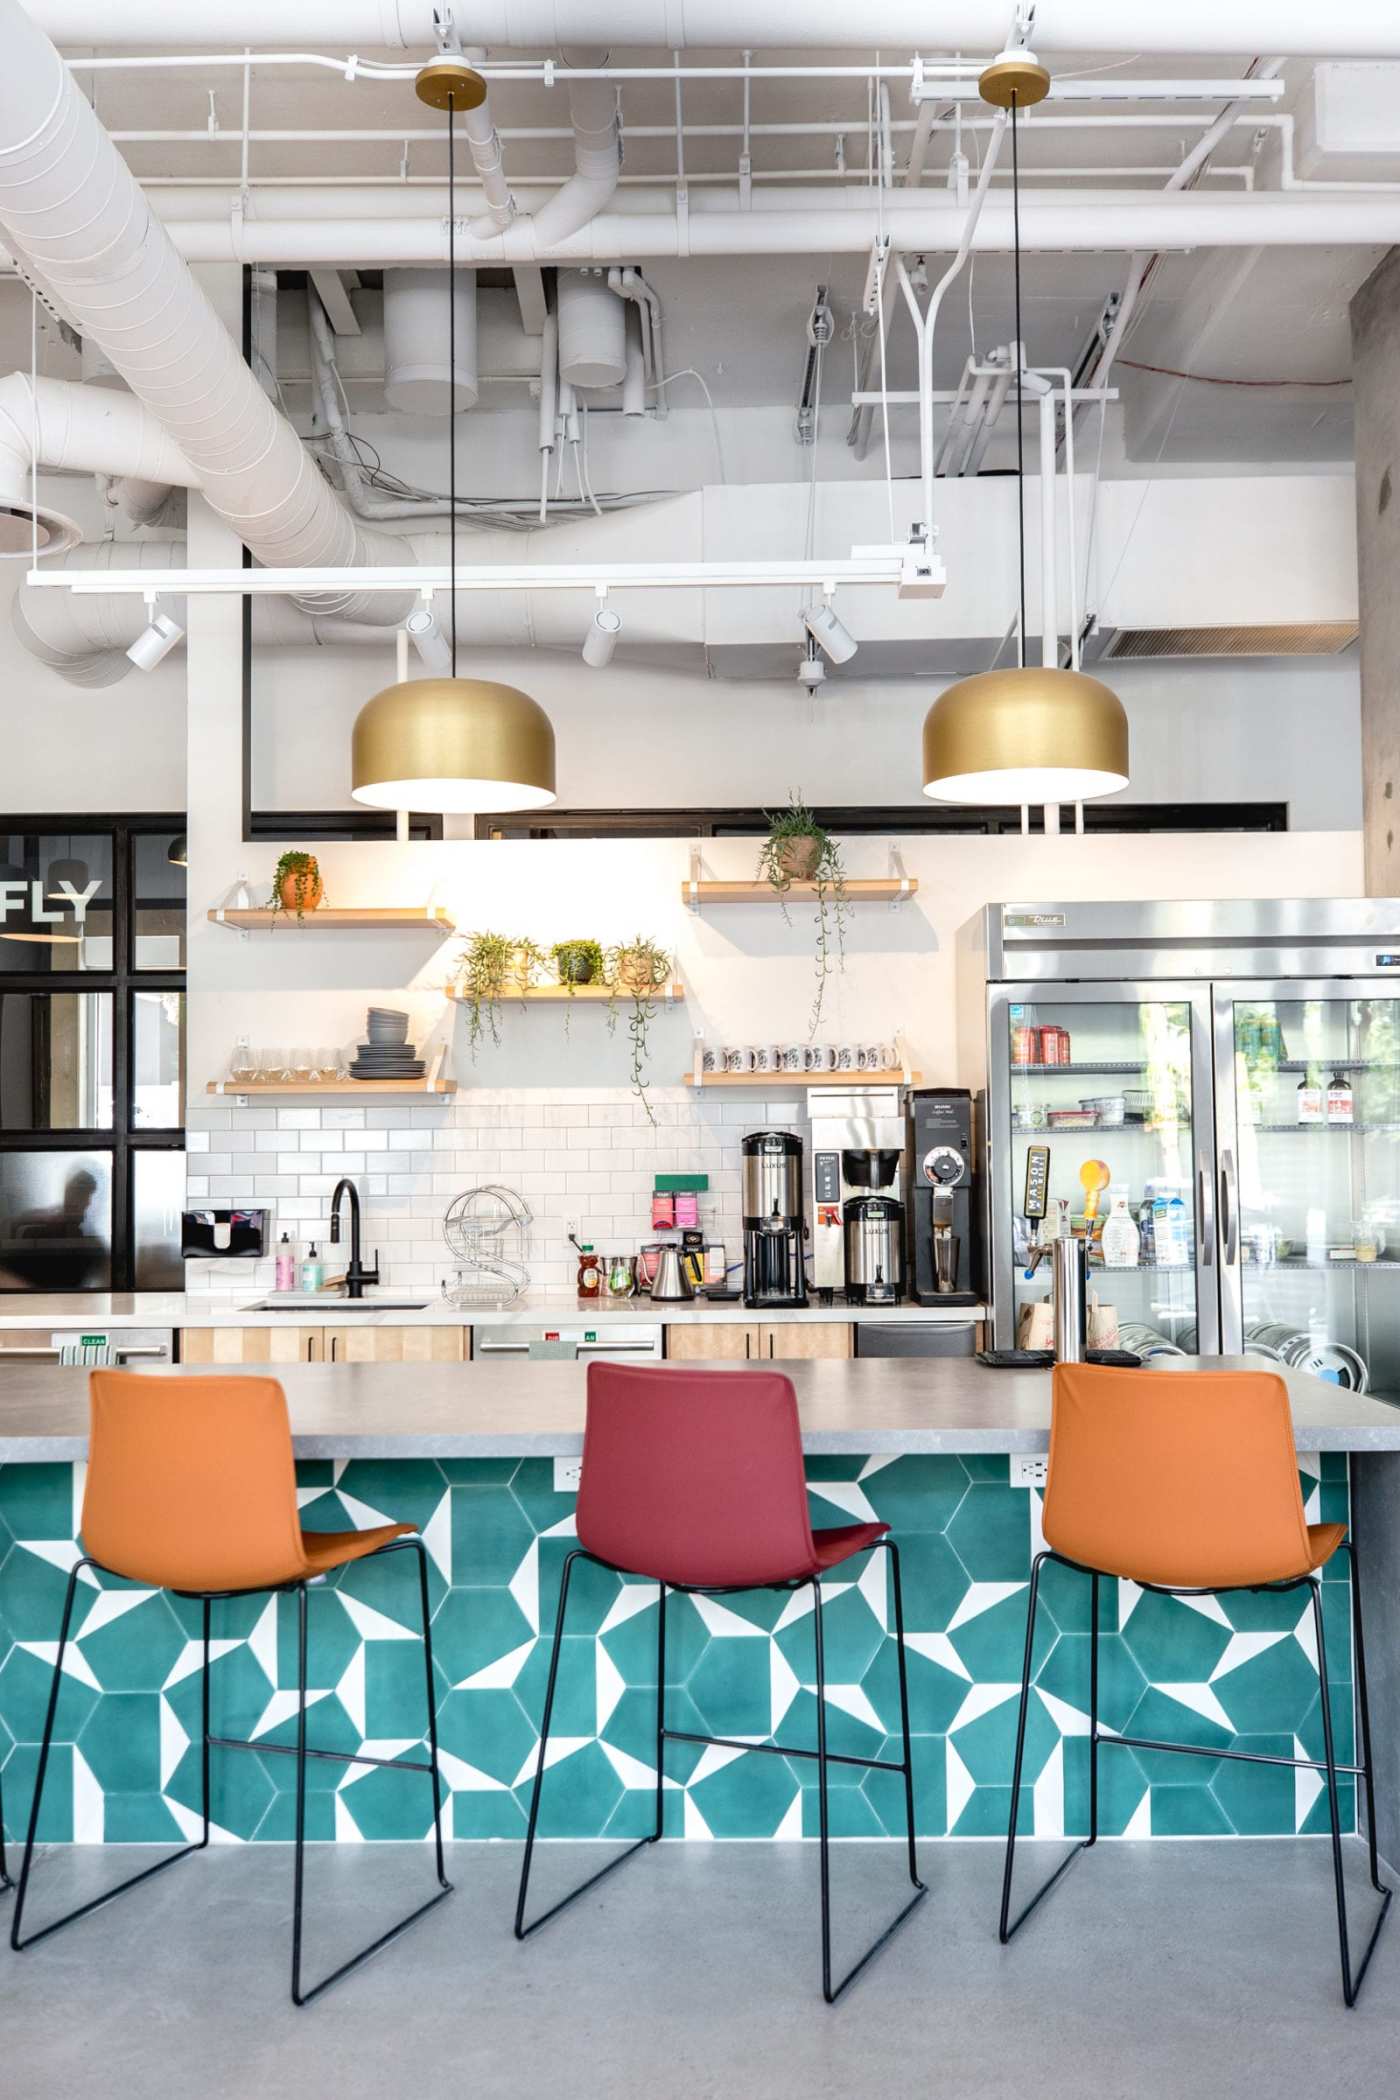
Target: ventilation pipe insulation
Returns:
[[364, 499], [1298, 28], [74, 211], [57, 424], [488, 158], [597, 159], [630, 284]]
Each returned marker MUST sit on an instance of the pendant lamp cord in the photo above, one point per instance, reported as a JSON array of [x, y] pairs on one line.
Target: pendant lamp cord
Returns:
[[452, 362], [1020, 391]]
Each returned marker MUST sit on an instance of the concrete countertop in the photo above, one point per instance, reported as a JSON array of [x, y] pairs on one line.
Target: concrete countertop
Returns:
[[98, 1310], [490, 1410]]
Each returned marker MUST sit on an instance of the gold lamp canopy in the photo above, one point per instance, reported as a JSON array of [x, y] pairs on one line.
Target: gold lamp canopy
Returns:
[[452, 746], [447, 82], [1025, 735]]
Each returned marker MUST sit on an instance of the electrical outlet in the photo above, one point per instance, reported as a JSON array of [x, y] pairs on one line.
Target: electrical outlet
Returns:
[[567, 1474], [1028, 1469]]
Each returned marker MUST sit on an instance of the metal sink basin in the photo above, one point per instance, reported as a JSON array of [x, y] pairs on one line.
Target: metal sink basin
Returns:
[[326, 1301]]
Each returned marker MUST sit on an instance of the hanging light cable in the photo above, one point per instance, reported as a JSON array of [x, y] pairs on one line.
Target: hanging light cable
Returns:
[[453, 746], [1034, 733]]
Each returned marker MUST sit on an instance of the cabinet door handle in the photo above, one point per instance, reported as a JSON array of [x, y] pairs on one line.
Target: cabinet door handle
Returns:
[[770, 1342], [748, 1342], [334, 1340], [310, 1346]]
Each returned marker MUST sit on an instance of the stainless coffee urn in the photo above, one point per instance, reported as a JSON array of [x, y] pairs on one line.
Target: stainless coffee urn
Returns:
[[774, 1226]]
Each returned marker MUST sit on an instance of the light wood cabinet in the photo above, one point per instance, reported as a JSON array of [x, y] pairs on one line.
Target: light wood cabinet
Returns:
[[809, 1339], [394, 1345], [764, 1342], [723, 1342], [323, 1345], [250, 1345]]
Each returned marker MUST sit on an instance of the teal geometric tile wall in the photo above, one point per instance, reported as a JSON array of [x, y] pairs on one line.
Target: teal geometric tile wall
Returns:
[[1232, 1673]]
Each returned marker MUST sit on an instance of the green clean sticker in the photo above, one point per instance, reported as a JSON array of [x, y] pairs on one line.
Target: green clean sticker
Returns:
[[93, 1341], [590, 1334]]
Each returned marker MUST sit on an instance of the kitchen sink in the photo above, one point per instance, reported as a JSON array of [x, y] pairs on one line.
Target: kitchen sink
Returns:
[[326, 1301]]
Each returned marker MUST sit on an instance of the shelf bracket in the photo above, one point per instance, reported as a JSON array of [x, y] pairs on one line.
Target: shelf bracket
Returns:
[[698, 1061], [692, 888], [901, 874]]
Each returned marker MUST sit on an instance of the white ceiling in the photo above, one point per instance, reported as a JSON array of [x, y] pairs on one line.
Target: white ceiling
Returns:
[[1280, 314]]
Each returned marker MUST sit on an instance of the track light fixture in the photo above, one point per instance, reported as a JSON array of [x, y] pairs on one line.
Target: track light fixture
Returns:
[[601, 638], [831, 637], [434, 649], [811, 672], [156, 641]]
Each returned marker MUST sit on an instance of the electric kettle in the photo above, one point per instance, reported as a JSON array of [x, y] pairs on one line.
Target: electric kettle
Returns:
[[671, 1284]]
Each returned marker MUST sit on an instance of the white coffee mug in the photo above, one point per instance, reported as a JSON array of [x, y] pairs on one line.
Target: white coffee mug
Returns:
[[874, 1057], [739, 1059], [846, 1058], [795, 1058], [769, 1058], [712, 1059], [821, 1057]]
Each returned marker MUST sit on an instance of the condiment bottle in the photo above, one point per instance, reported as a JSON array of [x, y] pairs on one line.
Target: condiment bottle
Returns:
[[1340, 1100], [1310, 1101], [590, 1273]]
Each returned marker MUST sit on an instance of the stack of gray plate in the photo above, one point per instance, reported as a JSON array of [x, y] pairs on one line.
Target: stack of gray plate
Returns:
[[387, 1054]]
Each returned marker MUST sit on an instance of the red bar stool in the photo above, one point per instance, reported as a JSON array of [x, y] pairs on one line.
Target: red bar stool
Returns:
[[694, 1479], [191, 1488], [1188, 1485]]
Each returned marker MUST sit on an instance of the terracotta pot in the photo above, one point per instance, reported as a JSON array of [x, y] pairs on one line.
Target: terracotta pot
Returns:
[[520, 970], [634, 972], [798, 857], [300, 891]]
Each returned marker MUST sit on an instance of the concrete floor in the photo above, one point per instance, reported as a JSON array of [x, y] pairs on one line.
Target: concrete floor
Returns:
[[1170, 1969]]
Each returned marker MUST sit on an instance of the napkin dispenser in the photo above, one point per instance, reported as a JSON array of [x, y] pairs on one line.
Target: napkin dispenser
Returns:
[[214, 1235]]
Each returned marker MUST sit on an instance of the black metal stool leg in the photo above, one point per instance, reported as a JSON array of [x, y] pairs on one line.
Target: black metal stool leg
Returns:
[[522, 1930], [16, 1939], [1351, 1985], [444, 1890], [829, 1991], [204, 1720], [1008, 1926], [896, 1583], [1363, 1709], [5, 1881], [1093, 1837]]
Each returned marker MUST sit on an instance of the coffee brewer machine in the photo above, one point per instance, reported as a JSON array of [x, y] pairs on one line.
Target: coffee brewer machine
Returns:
[[858, 1187], [944, 1247], [774, 1228]]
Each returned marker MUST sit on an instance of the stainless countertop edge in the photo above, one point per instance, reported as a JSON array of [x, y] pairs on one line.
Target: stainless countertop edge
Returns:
[[192, 1309]]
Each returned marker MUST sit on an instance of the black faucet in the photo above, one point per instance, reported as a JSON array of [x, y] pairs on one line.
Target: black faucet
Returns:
[[356, 1274]]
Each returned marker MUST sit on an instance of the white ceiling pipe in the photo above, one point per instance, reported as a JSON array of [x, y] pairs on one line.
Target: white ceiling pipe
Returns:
[[1297, 28], [597, 160], [841, 222], [67, 427], [71, 206], [488, 158]]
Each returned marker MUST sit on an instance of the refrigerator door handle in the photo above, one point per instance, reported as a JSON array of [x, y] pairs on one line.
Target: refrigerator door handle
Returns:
[[1229, 1218], [1207, 1220]]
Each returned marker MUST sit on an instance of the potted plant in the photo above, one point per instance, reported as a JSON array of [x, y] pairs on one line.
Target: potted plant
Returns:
[[296, 885], [635, 969], [798, 849], [483, 974], [577, 962]]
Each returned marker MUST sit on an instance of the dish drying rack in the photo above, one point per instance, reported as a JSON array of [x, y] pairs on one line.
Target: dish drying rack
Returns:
[[487, 1231]]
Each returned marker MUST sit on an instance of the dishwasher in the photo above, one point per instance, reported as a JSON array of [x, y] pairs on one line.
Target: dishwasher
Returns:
[[621, 1341], [92, 1343], [916, 1338]]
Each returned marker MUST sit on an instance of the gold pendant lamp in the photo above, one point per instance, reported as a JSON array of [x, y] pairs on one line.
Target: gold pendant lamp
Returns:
[[452, 746], [1032, 733]]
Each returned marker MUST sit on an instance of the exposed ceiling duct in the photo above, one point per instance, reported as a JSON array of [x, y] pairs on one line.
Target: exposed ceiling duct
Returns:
[[298, 229], [1295, 28], [64, 426], [78, 217]]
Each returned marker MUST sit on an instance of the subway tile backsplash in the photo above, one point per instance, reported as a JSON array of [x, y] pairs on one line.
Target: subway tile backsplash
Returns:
[[583, 1159]]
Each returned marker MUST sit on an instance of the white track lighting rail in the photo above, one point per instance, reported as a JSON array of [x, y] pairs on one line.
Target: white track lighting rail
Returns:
[[910, 570]]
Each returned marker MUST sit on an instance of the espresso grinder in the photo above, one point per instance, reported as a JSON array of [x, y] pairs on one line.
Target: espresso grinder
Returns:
[[774, 1227], [944, 1254]]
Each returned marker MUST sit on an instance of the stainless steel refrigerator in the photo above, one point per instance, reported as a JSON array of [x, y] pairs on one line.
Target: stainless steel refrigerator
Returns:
[[1230, 1070]]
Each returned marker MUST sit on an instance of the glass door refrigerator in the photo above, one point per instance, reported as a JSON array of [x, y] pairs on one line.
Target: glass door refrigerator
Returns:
[[1226, 1078]]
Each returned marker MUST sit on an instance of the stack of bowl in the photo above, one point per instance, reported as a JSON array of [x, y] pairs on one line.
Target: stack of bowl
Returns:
[[387, 1054]]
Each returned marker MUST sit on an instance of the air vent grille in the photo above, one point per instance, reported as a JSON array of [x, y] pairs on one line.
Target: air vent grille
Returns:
[[1313, 638]]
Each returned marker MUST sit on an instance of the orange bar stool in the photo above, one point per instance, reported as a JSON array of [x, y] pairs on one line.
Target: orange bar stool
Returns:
[[695, 1479], [1188, 1484], [191, 1488]]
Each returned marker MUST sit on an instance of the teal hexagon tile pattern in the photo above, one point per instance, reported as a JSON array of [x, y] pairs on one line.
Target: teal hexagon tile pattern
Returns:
[[1231, 1672]]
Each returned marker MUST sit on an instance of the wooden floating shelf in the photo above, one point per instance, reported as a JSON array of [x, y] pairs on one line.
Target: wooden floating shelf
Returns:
[[892, 889], [409, 918], [774, 1082], [423, 1089], [560, 994]]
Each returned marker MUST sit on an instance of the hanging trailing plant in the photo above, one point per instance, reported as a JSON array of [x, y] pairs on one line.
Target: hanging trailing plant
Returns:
[[490, 967], [635, 970], [576, 963], [799, 849], [296, 885]]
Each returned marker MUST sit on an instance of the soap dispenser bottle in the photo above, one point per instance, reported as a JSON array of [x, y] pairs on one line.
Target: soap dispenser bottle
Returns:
[[311, 1270], [286, 1265]]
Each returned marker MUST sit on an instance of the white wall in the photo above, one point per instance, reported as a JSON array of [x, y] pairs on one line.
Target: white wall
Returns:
[[637, 736]]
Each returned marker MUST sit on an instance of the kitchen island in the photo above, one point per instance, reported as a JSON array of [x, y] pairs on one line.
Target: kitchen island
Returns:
[[484, 1458]]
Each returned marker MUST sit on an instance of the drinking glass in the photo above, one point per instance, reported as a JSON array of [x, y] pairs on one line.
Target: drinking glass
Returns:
[[242, 1063], [302, 1065]]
